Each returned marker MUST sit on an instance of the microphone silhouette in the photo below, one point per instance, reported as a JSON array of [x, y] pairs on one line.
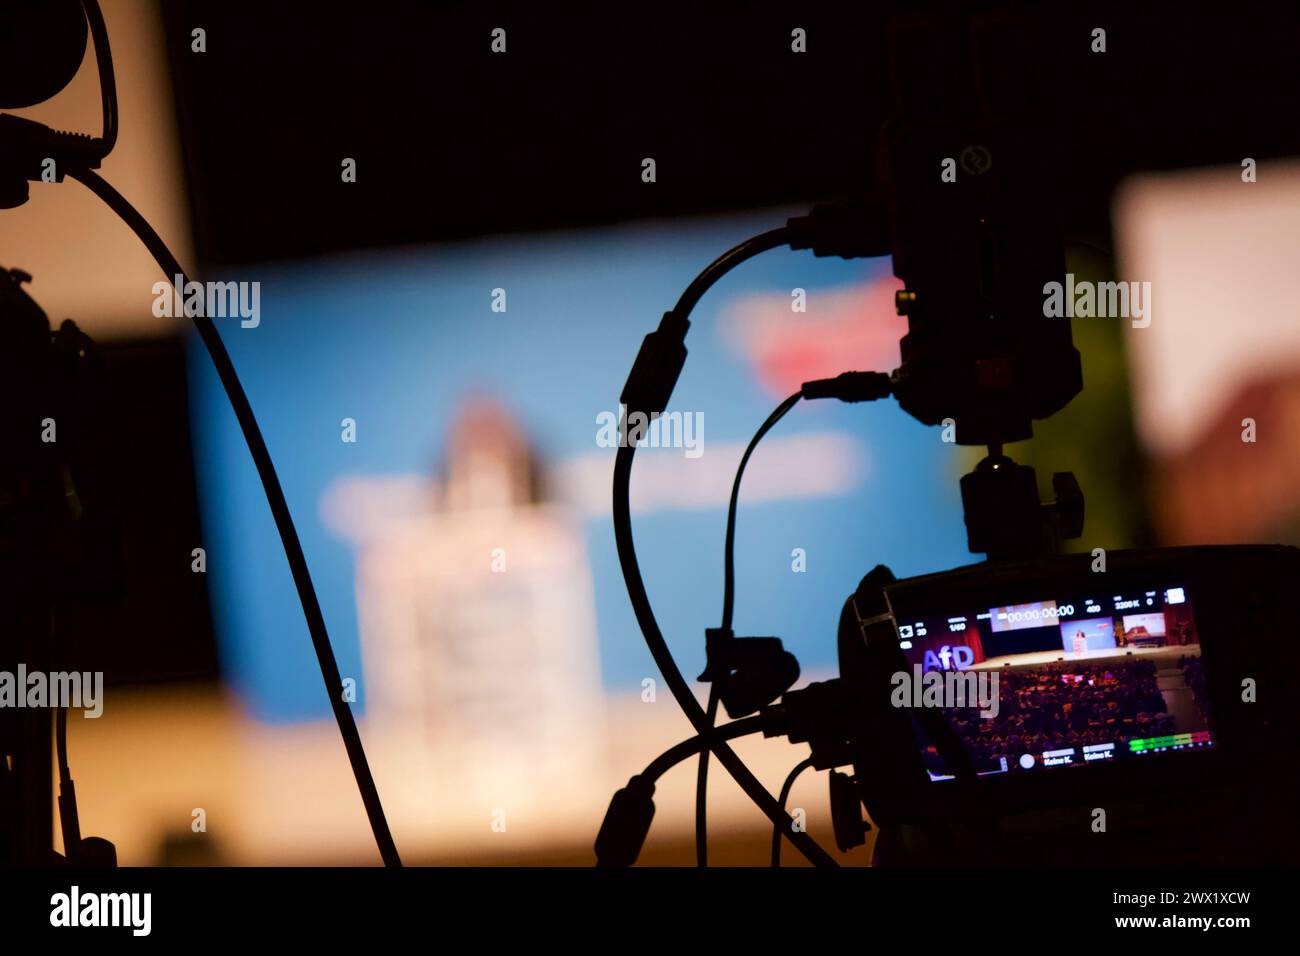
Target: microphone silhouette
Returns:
[[42, 44]]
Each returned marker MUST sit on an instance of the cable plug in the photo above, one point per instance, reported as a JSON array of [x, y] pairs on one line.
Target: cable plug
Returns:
[[748, 672], [850, 387], [826, 715], [657, 367], [851, 230], [626, 824], [30, 150]]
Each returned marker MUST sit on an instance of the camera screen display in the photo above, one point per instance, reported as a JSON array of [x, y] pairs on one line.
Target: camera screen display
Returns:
[[1096, 677]]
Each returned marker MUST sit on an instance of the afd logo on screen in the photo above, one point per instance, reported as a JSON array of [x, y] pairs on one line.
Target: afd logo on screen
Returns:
[[949, 657]]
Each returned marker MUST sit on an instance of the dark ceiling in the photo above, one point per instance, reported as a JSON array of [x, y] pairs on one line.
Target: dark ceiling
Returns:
[[452, 140]]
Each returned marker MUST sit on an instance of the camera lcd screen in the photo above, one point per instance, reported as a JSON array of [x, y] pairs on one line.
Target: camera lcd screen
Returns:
[[1059, 683]]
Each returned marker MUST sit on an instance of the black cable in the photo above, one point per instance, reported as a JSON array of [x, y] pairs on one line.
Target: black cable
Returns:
[[107, 83], [702, 788], [61, 717], [69, 822], [693, 745], [61, 744], [631, 812], [672, 674], [772, 239], [279, 511], [728, 602], [623, 538], [785, 795], [729, 575]]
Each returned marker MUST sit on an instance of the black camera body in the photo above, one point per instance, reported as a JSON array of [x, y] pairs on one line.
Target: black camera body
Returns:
[[1174, 746]]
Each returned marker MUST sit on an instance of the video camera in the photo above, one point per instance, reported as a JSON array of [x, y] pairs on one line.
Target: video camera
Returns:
[[1138, 711], [1099, 707]]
